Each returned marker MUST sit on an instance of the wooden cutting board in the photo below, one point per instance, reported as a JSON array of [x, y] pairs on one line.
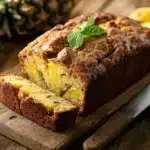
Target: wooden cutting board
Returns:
[[35, 137]]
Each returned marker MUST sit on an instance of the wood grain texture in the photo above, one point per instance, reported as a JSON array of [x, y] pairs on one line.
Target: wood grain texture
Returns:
[[118, 7], [35, 137], [135, 137], [7, 144], [119, 121]]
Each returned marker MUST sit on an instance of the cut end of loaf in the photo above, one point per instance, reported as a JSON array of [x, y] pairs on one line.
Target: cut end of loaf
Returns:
[[65, 83], [55, 76], [35, 103]]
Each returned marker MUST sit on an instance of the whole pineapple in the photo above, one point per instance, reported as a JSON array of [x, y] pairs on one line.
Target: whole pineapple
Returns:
[[31, 16]]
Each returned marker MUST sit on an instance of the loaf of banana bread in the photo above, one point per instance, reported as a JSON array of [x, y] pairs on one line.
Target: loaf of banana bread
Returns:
[[98, 71], [36, 103]]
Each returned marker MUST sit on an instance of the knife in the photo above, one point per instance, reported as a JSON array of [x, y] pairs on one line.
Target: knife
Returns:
[[119, 121]]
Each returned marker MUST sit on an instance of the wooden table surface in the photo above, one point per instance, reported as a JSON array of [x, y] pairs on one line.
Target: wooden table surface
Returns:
[[137, 135]]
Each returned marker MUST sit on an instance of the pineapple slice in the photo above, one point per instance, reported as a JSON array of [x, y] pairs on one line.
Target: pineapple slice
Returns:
[[141, 14]]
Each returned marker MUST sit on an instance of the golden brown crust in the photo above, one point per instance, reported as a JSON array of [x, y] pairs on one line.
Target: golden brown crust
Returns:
[[54, 40]]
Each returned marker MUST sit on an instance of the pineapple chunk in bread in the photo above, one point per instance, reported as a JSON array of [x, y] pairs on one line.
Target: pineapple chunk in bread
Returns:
[[36, 103]]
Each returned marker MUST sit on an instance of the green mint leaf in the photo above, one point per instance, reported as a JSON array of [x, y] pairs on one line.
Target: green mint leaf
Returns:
[[94, 31], [85, 24], [75, 39], [91, 21], [86, 30]]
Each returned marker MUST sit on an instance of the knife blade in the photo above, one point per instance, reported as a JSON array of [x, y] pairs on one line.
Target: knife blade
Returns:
[[119, 121]]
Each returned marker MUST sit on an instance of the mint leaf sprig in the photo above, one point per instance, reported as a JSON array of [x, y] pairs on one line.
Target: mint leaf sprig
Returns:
[[86, 24], [86, 30], [75, 39]]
